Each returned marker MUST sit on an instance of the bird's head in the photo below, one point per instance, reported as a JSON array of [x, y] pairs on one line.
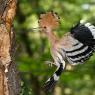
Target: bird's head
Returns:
[[48, 21]]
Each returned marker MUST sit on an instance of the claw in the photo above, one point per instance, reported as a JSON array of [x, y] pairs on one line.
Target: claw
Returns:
[[49, 63]]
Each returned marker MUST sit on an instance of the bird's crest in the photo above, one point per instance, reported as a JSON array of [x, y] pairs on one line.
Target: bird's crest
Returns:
[[49, 20]]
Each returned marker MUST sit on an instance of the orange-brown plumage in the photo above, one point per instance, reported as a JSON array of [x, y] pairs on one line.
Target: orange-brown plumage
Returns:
[[49, 19], [48, 22]]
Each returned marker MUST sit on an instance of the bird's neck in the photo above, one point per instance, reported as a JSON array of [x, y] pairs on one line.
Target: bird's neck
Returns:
[[52, 38]]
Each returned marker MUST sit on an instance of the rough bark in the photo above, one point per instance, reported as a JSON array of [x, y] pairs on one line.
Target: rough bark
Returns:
[[9, 80]]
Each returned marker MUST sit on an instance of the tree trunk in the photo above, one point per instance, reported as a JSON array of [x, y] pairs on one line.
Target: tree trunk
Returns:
[[9, 80]]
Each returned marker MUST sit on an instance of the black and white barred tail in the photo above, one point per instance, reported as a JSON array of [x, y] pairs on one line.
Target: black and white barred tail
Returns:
[[50, 83]]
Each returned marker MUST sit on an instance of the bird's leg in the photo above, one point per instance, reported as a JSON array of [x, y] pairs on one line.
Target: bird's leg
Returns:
[[49, 84]]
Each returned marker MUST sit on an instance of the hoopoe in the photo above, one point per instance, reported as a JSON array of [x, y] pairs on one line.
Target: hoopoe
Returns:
[[75, 46]]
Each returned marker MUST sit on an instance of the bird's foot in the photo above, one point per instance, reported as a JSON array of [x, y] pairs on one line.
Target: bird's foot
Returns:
[[49, 63]]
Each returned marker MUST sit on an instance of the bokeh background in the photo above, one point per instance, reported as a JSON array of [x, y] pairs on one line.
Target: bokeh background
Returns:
[[32, 47]]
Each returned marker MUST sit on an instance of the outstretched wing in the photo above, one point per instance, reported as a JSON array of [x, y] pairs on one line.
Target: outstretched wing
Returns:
[[75, 51], [79, 43]]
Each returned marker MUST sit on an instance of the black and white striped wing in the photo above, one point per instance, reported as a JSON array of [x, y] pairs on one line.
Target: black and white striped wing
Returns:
[[77, 52], [79, 55]]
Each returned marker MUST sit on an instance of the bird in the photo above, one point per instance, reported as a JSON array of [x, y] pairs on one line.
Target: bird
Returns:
[[75, 46]]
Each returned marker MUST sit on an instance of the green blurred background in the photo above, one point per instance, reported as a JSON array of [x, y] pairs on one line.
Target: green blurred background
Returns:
[[33, 47]]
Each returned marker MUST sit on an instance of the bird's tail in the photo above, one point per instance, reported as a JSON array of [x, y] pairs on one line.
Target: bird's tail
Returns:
[[50, 83]]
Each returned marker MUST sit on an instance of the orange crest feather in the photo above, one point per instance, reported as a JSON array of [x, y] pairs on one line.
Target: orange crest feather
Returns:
[[49, 20]]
